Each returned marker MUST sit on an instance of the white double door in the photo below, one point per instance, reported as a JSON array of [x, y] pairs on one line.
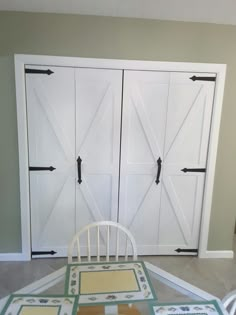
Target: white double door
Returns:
[[103, 131]]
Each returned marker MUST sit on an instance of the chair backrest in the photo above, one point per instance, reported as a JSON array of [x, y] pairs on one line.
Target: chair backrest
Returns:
[[229, 302], [103, 229]]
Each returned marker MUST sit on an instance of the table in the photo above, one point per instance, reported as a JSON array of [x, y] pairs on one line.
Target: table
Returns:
[[168, 288]]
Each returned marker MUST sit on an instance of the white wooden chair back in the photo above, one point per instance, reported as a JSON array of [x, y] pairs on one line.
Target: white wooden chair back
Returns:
[[99, 227], [229, 302]]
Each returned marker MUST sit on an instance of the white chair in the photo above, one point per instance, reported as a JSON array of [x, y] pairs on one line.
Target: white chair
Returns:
[[229, 302], [103, 229]]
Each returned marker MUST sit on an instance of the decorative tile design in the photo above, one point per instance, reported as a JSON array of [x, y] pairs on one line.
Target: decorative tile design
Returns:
[[109, 283], [196, 308], [22, 304]]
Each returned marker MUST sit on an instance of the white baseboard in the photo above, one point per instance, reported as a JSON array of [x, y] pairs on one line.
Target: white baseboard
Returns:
[[13, 257], [206, 254], [217, 254]]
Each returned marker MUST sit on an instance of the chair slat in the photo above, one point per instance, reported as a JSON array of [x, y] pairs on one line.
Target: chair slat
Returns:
[[117, 243], [108, 243], [89, 249], [98, 243], [78, 249], [126, 249]]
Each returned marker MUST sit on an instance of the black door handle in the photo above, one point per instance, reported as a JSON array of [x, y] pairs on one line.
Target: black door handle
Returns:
[[159, 161], [79, 161]]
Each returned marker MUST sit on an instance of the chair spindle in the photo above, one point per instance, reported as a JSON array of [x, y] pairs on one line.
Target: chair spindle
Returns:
[[117, 243], [126, 249], [108, 241], [98, 243], [78, 249], [89, 250]]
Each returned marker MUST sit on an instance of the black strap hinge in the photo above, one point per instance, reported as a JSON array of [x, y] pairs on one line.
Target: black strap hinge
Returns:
[[38, 253], [194, 170], [186, 250], [39, 71], [42, 168], [195, 78]]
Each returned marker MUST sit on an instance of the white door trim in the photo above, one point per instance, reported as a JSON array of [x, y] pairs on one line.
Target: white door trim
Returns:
[[22, 60], [211, 163]]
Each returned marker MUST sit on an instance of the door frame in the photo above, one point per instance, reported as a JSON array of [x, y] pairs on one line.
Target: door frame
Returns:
[[21, 60]]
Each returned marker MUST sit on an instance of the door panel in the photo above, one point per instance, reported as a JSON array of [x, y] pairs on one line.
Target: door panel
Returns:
[[187, 135], [165, 115], [98, 116], [143, 129], [51, 136]]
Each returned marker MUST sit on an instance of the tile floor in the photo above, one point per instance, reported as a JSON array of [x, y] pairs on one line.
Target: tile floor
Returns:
[[216, 276]]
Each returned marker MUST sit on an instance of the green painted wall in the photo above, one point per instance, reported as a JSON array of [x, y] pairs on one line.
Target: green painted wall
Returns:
[[118, 38]]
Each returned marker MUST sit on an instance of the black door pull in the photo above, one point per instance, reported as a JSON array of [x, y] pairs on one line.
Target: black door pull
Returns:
[[159, 161], [79, 161]]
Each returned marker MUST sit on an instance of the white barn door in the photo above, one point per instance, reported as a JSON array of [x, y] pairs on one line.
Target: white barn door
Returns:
[[142, 143], [51, 136], [165, 132], [74, 126], [185, 161], [98, 118]]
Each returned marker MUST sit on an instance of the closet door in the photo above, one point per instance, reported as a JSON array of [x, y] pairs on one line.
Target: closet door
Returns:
[[51, 136], [185, 161], [145, 103], [98, 118], [165, 136]]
